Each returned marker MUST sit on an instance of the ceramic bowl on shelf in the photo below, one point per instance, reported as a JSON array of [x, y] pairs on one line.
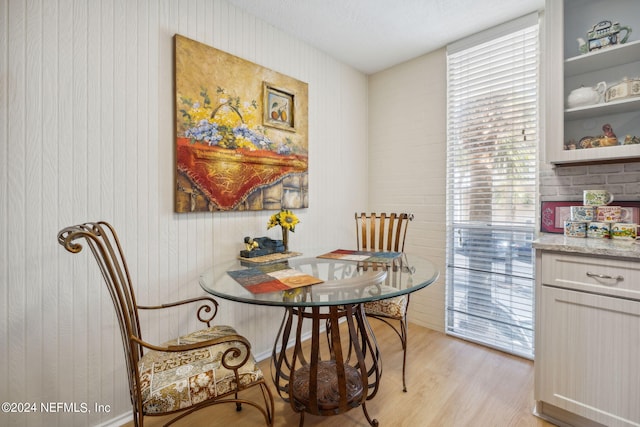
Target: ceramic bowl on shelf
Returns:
[[584, 96]]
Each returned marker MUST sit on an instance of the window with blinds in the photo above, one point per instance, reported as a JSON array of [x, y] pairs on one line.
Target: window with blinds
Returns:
[[492, 145]]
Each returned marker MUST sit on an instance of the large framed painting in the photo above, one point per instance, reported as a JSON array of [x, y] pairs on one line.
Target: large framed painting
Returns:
[[241, 133]]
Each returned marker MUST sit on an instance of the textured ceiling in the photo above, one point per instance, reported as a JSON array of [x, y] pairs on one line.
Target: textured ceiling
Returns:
[[372, 35]]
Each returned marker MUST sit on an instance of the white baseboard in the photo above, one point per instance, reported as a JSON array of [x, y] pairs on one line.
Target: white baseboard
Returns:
[[267, 353], [117, 421]]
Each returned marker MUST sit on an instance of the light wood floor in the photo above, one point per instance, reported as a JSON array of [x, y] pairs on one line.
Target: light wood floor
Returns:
[[450, 383]]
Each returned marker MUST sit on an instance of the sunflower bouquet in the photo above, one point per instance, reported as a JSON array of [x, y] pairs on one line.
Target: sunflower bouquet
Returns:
[[285, 219]]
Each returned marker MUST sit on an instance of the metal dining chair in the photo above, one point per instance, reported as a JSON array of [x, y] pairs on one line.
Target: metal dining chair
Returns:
[[382, 232], [207, 367]]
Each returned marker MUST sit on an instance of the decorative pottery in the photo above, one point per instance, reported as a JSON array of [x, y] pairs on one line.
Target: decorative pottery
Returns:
[[584, 96], [582, 45], [605, 33], [598, 230], [608, 213], [596, 197], [624, 231], [630, 139], [627, 88], [575, 229], [598, 141], [582, 213]]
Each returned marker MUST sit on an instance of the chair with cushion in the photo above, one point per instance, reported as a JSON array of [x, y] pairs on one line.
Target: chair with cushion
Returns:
[[382, 232], [186, 374]]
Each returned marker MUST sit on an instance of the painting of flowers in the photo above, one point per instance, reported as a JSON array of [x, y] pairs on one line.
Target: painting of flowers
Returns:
[[228, 158]]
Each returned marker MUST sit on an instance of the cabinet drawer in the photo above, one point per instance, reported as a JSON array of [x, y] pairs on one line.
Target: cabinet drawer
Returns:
[[606, 276]]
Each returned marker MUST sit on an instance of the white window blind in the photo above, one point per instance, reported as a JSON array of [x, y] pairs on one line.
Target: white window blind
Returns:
[[492, 140]]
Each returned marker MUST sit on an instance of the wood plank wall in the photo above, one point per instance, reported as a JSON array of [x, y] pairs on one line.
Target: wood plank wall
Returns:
[[86, 123], [407, 164]]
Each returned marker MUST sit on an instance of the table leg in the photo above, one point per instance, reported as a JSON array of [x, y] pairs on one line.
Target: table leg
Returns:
[[330, 378]]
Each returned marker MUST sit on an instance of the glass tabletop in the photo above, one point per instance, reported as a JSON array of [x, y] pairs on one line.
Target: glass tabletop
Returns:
[[341, 281]]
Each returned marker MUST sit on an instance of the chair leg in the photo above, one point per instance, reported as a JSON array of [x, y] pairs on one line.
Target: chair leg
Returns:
[[372, 421], [403, 340], [401, 331], [238, 404], [138, 419]]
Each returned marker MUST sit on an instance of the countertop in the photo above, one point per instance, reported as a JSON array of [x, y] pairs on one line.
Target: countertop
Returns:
[[590, 246]]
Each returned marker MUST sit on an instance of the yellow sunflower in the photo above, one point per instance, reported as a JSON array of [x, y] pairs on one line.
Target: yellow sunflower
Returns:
[[285, 219]]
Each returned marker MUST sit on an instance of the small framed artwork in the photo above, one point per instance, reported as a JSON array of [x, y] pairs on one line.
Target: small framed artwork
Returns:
[[553, 215], [279, 108]]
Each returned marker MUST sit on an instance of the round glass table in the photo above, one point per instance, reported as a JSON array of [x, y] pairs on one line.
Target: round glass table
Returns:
[[341, 371]]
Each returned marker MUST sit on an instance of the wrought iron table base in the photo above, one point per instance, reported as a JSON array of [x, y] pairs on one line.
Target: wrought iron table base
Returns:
[[347, 379]]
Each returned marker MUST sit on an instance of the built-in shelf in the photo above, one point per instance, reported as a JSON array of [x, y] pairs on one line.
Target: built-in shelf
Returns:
[[602, 59], [603, 109], [567, 20]]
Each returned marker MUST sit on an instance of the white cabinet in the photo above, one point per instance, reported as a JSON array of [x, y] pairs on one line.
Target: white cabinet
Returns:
[[587, 339], [565, 69]]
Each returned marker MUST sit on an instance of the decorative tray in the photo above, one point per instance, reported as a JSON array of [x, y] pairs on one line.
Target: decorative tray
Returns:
[[269, 259]]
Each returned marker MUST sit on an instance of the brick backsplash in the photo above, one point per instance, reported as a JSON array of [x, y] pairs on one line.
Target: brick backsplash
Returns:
[[562, 183]]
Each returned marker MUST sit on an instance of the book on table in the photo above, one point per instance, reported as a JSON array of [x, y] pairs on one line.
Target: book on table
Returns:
[[383, 257], [271, 278]]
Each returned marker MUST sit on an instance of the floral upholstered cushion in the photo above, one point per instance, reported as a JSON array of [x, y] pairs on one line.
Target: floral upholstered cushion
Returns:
[[395, 307], [178, 380]]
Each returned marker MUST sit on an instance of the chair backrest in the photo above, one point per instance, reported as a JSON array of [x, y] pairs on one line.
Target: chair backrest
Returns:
[[105, 246], [381, 232]]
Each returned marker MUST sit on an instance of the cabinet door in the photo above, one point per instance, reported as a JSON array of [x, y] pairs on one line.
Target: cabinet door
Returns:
[[589, 355]]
